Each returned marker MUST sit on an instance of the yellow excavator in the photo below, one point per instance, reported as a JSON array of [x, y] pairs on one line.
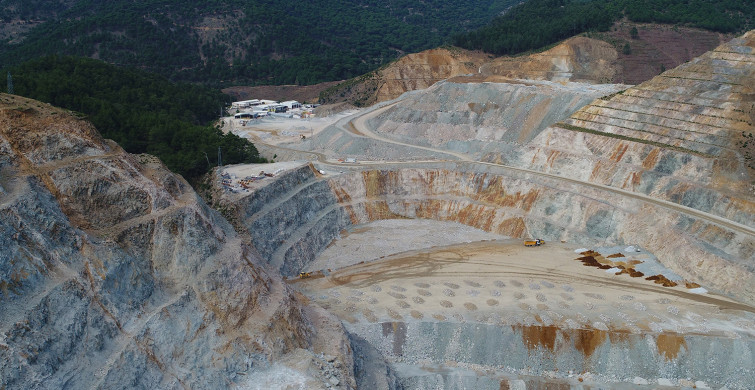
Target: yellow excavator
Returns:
[[304, 275]]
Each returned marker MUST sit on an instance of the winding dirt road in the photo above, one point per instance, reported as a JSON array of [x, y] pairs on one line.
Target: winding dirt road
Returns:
[[358, 126]]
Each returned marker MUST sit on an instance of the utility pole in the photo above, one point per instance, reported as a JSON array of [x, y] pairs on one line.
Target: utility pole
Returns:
[[220, 158], [10, 84]]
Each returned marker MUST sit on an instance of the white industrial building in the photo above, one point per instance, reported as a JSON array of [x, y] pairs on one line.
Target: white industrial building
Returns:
[[251, 103], [291, 104]]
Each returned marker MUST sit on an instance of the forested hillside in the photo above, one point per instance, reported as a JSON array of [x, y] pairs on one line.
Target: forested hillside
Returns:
[[144, 113], [538, 23], [244, 41]]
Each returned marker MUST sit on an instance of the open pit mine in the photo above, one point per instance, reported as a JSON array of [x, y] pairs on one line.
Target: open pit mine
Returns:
[[386, 251]]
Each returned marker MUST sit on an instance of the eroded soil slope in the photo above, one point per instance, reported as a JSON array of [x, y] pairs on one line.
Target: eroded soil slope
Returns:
[[655, 48]]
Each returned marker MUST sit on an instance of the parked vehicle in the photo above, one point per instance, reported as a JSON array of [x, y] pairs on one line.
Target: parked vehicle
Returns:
[[536, 242]]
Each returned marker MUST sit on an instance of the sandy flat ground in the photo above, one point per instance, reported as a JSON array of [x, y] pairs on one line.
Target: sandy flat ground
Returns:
[[276, 130], [391, 236], [503, 282]]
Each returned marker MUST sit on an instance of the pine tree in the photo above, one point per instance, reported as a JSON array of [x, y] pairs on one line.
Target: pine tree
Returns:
[[634, 33]]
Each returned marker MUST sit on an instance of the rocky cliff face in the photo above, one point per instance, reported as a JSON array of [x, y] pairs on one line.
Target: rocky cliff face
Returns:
[[578, 59], [411, 72], [308, 211], [115, 274], [470, 116], [677, 137], [308, 215], [680, 127], [598, 58]]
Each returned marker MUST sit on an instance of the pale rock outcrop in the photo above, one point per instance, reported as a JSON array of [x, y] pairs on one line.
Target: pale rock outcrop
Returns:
[[677, 138], [411, 72], [115, 274], [578, 59]]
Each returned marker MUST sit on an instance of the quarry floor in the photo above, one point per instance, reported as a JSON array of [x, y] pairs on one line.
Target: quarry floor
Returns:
[[500, 281], [279, 130], [392, 275]]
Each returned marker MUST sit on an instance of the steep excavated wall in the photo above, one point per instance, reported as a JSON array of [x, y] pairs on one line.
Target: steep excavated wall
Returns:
[[674, 137], [307, 217], [678, 138], [419, 351], [576, 59], [115, 274], [488, 355], [469, 116], [411, 72]]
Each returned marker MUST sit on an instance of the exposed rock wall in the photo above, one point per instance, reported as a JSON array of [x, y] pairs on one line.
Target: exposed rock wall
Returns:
[[451, 115], [579, 59], [421, 70], [539, 350], [409, 73], [305, 221], [678, 137], [674, 137], [115, 274]]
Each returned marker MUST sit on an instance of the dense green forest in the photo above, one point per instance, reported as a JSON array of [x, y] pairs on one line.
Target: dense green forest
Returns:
[[244, 41], [143, 112], [223, 42], [538, 23]]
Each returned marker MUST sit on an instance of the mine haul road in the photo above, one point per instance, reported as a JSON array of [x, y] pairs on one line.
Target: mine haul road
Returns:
[[356, 126]]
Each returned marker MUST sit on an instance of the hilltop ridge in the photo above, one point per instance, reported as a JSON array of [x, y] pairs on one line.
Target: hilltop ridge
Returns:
[[596, 58]]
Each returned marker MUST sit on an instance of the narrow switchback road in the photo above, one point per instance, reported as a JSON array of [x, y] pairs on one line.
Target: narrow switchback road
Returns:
[[358, 126]]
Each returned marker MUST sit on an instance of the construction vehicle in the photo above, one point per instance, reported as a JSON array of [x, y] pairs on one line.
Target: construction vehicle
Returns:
[[536, 242], [304, 275]]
